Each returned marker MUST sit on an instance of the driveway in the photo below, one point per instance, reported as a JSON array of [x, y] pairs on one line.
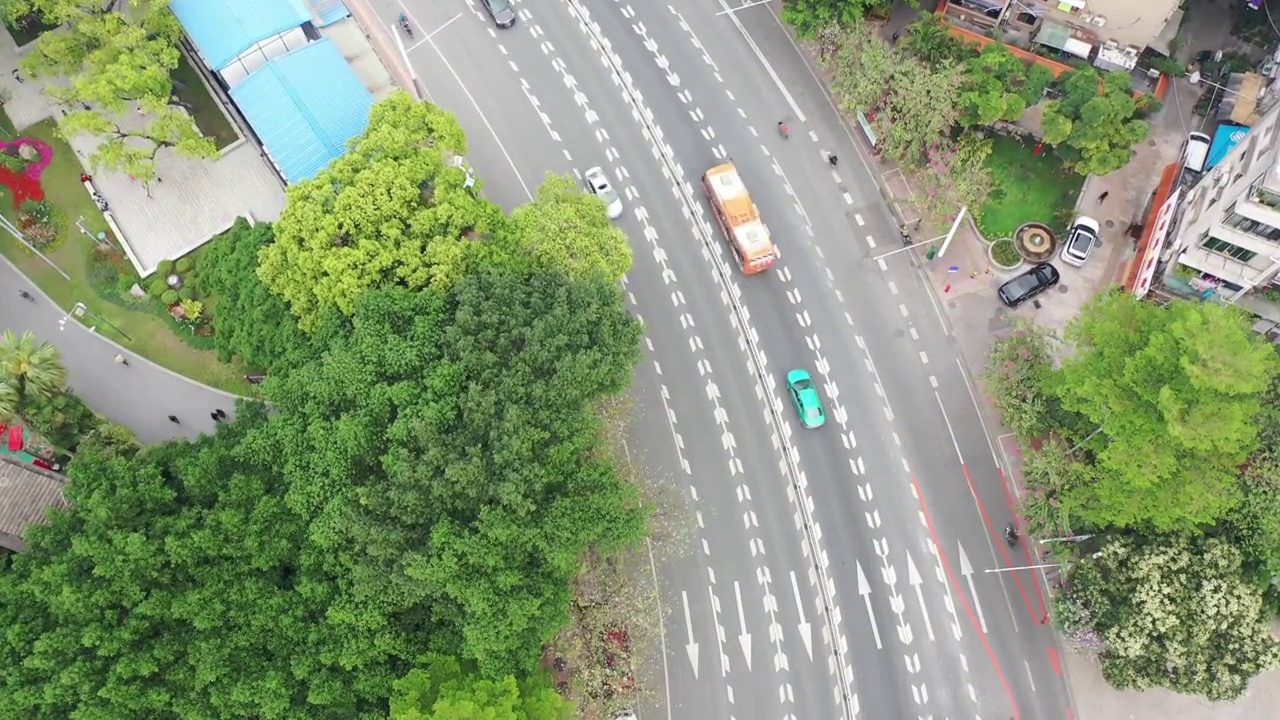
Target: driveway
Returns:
[[140, 395]]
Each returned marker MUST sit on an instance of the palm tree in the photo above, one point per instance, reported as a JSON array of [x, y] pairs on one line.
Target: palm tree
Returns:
[[929, 40], [28, 371]]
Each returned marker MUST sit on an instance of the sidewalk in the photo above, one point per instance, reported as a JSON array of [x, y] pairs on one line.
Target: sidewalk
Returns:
[[964, 284]]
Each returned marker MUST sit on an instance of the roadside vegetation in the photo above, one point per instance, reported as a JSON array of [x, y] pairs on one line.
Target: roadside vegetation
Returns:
[[429, 516], [1153, 445], [945, 112]]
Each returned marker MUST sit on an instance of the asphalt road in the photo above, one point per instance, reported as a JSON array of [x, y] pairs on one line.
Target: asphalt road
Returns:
[[140, 395], [903, 485]]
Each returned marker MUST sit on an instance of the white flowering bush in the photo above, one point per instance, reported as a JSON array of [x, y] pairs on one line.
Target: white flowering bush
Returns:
[[1170, 613]]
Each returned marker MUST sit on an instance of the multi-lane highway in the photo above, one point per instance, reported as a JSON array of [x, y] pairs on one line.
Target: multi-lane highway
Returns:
[[839, 572]]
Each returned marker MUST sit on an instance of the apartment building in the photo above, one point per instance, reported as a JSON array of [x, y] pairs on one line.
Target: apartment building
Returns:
[[1228, 227]]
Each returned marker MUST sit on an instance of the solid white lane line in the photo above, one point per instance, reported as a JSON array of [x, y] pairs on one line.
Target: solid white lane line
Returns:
[[483, 119]]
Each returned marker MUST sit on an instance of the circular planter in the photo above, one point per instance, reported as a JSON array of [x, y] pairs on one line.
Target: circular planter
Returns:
[[1035, 242], [1004, 254]]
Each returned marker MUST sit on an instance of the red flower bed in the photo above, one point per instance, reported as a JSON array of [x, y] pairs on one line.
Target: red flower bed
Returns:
[[25, 185]]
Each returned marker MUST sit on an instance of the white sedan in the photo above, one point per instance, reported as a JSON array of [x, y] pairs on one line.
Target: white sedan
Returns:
[[1081, 239], [598, 185]]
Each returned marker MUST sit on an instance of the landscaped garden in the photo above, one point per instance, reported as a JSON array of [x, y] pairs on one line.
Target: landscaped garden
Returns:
[[1025, 187], [100, 275]]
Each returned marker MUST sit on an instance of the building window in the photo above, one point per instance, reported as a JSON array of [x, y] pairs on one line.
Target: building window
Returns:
[[1222, 247], [1249, 225], [1264, 196]]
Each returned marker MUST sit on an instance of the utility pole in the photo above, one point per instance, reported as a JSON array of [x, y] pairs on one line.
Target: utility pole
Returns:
[[952, 233]]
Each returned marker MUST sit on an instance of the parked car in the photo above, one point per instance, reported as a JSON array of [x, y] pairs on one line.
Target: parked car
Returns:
[[1028, 285], [598, 184], [805, 397], [1081, 238], [504, 16]]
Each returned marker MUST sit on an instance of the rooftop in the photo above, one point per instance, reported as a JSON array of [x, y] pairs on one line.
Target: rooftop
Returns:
[[25, 493], [222, 29], [305, 106]]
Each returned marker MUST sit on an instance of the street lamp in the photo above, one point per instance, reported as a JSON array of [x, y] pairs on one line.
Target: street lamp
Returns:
[[79, 310]]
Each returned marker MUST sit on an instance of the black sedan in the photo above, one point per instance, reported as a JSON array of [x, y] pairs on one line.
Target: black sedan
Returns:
[[1028, 285]]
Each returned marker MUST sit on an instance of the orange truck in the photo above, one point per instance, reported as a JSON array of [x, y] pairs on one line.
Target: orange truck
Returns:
[[739, 219]]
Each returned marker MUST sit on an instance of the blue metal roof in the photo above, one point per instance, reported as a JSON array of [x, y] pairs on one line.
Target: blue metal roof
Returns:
[[1225, 139], [222, 29], [304, 106]]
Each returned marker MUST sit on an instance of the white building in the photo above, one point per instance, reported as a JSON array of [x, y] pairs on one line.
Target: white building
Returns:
[[1228, 229]]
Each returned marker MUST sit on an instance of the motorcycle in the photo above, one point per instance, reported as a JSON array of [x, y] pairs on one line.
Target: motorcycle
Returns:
[[404, 25], [1011, 535]]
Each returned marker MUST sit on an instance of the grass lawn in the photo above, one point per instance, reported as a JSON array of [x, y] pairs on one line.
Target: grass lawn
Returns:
[[204, 109], [1025, 188], [153, 335]]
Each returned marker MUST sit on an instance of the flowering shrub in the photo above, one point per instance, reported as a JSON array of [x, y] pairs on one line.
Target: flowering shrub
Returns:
[[1018, 374], [41, 222]]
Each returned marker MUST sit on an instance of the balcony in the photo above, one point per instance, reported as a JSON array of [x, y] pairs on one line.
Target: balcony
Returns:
[[1258, 212], [1265, 196]]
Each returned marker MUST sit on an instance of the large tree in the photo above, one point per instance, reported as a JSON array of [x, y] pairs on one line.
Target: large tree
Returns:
[[114, 56], [570, 230], [1096, 121], [430, 484], [441, 689], [249, 320], [998, 85], [396, 209], [912, 105], [450, 439], [1171, 613], [1173, 392], [1254, 525], [810, 16]]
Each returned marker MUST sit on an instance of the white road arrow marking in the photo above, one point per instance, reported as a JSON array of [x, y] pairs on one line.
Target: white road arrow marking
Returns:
[[967, 571], [744, 639], [691, 647], [864, 589], [806, 630], [913, 577]]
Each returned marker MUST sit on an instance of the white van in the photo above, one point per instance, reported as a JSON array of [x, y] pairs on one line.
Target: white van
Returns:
[[1195, 154]]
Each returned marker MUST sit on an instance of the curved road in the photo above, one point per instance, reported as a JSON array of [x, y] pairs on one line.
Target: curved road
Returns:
[[140, 395]]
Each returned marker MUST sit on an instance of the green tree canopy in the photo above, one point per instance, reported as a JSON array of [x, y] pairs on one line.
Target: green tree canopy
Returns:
[[430, 483], [251, 322], [394, 210], [912, 105], [1254, 525], [810, 16], [998, 85], [1171, 613], [1173, 392], [486, 486], [1095, 124], [570, 230], [440, 690], [112, 55]]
